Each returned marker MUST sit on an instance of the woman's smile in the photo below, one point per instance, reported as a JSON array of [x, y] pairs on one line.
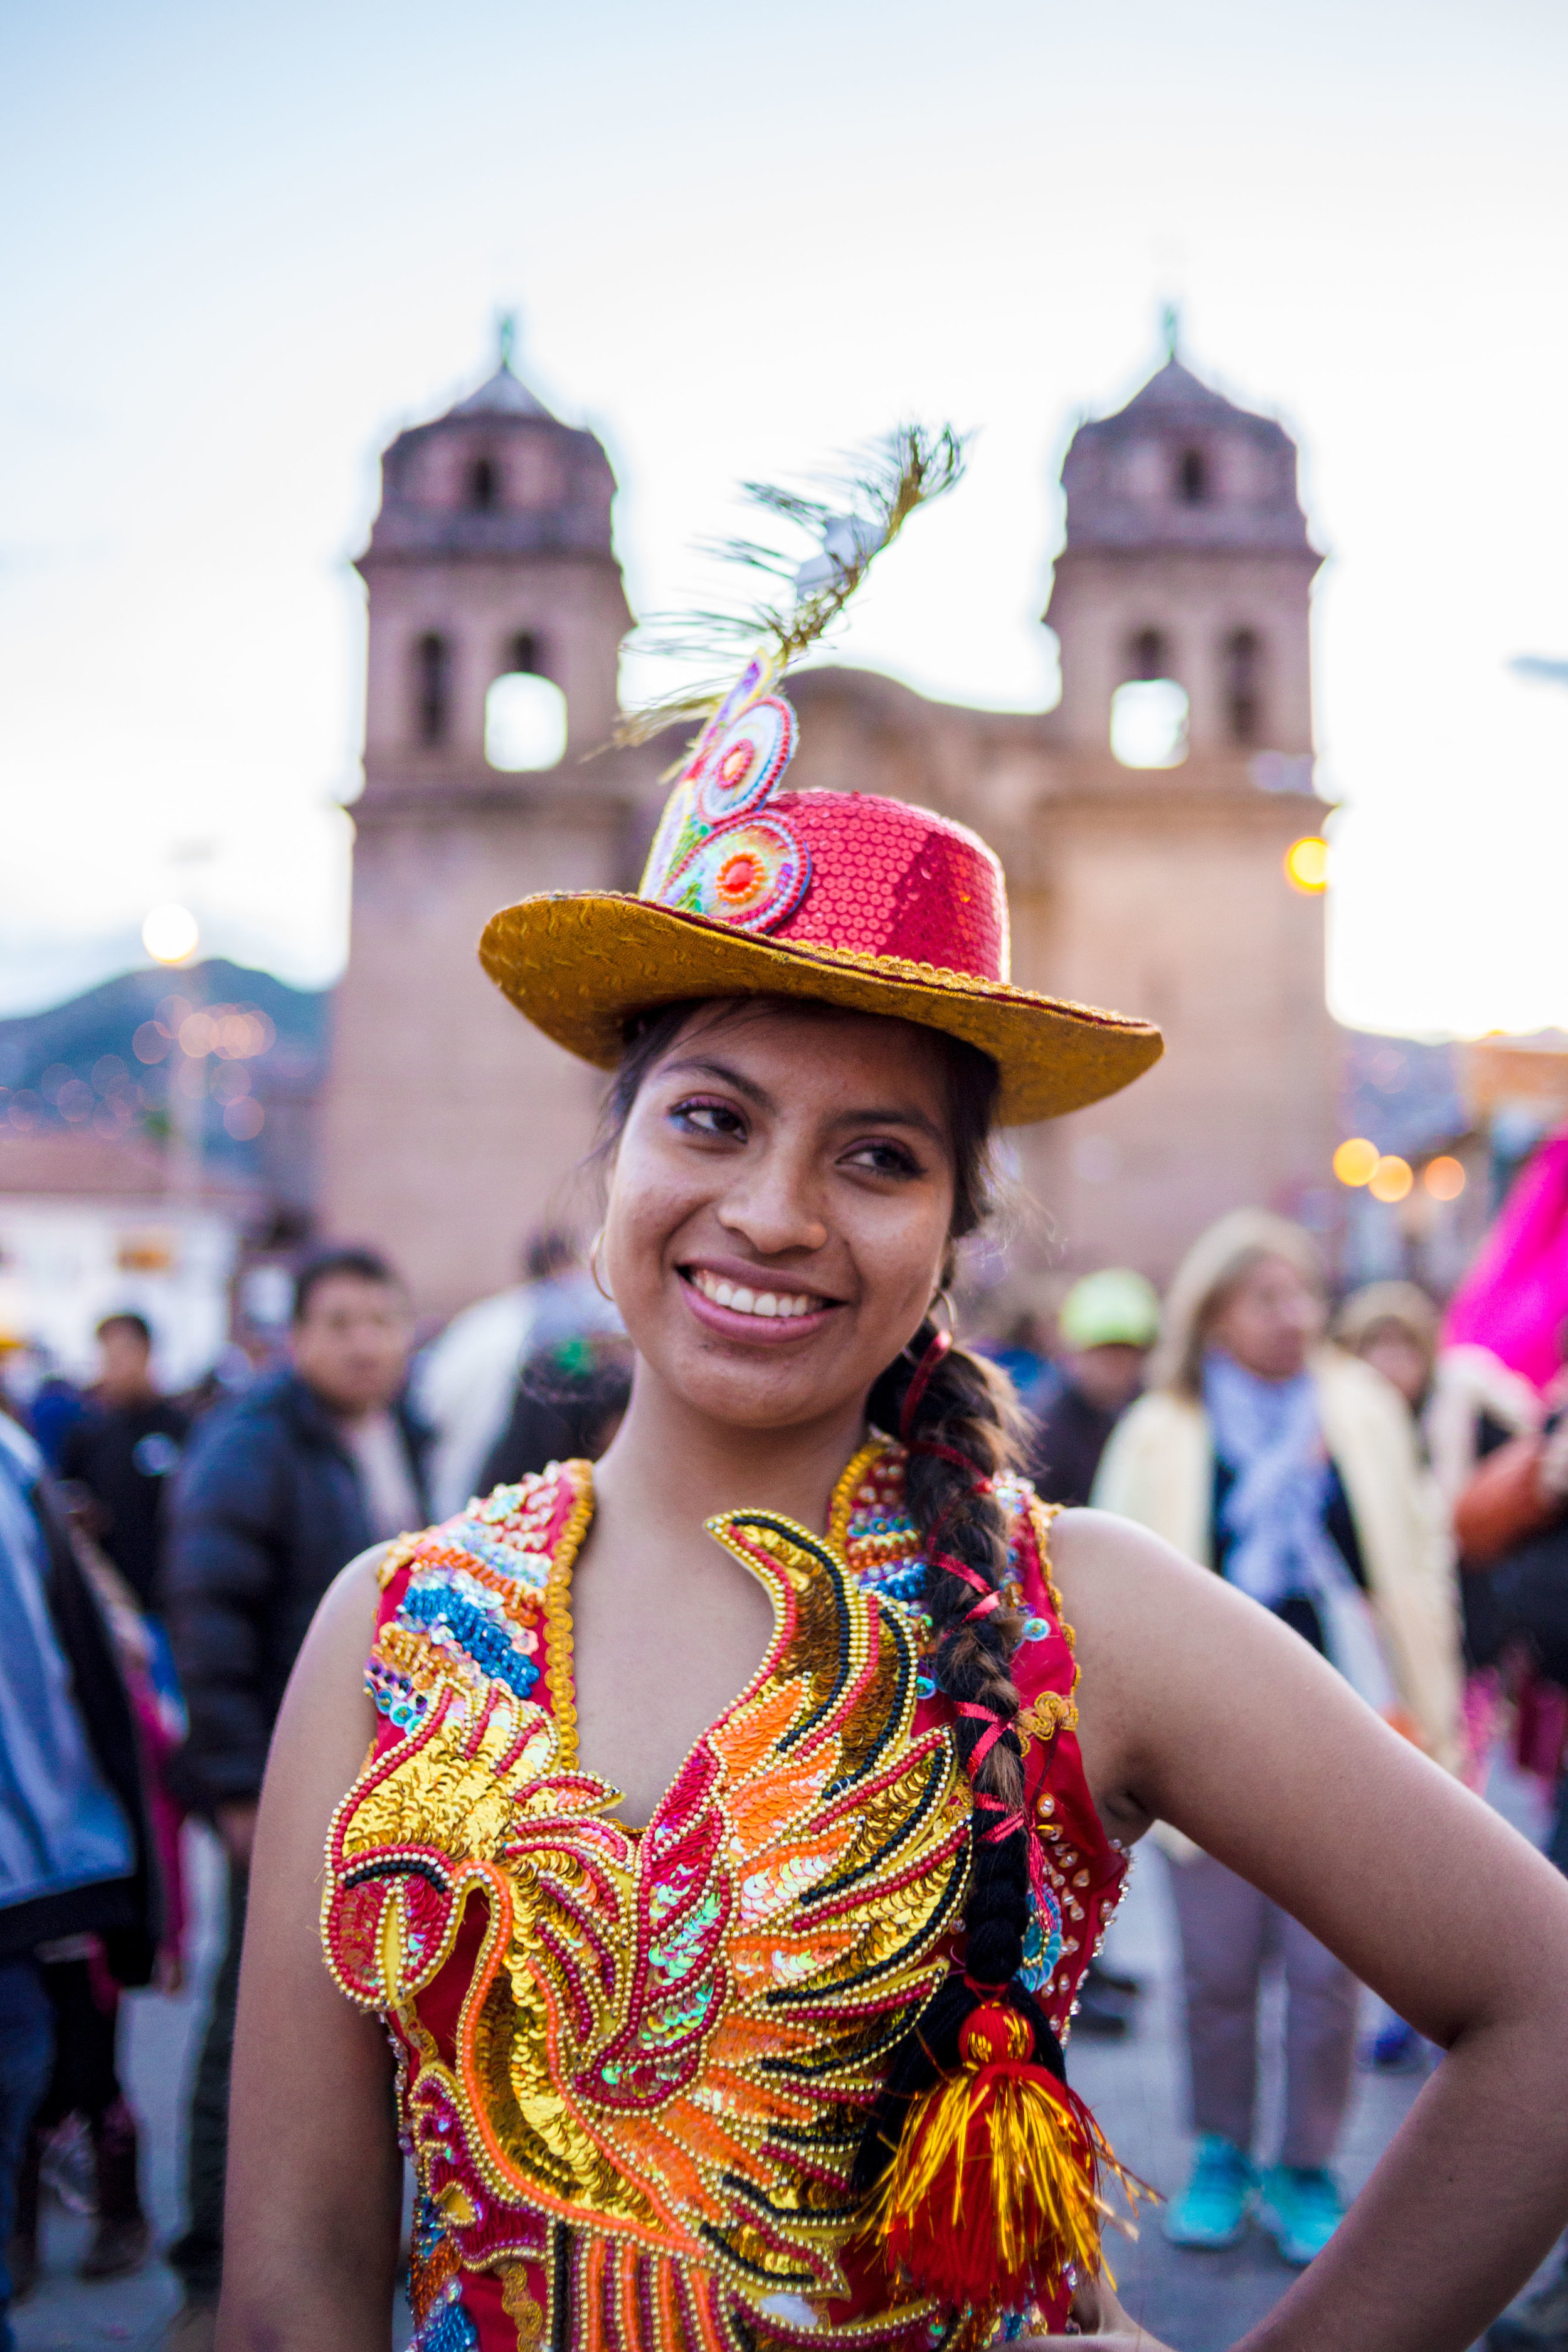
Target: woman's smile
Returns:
[[746, 1302]]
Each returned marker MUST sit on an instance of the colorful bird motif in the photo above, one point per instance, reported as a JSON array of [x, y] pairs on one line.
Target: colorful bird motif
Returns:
[[665, 2041]]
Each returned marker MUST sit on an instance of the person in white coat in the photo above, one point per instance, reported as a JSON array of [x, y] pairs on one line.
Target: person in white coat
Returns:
[[466, 1379], [1293, 1470]]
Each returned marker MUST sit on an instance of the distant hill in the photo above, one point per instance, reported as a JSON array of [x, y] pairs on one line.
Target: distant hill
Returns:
[[105, 1061]]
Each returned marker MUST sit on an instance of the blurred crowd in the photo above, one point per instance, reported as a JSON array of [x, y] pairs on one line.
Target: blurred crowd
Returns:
[[1388, 1476]]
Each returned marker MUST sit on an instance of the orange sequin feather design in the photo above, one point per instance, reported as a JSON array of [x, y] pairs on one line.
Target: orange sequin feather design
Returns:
[[634, 2068]]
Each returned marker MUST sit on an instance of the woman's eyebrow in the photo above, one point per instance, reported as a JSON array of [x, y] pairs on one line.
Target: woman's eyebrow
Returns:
[[879, 1115], [726, 1077], [892, 1115]]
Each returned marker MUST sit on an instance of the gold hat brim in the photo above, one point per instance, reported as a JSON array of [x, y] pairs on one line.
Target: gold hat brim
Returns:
[[580, 964]]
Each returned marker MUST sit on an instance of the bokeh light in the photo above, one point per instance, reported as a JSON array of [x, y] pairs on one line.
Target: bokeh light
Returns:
[[1444, 1178], [1355, 1161], [525, 723], [1391, 1178], [170, 934], [245, 1119], [1307, 864], [1149, 723]]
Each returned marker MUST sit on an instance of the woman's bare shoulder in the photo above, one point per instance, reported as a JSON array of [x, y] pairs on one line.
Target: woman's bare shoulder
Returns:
[[327, 1721], [1142, 1616], [1104, 1563], [329, 1673], [344, 1622]]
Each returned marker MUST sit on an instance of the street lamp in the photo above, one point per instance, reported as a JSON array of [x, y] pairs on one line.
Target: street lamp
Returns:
[[171, 934]]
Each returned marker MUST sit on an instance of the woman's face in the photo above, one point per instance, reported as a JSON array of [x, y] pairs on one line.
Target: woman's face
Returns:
[[1399, 1356], [779, 1208], [1267, 1321]]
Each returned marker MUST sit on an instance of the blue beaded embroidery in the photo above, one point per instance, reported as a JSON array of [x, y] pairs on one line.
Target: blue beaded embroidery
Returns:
[[529, 1569], [1042, 1940], [472, 1628], [447, 2326]]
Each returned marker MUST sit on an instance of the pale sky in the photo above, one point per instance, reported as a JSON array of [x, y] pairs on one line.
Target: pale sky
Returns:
[[246, 243]]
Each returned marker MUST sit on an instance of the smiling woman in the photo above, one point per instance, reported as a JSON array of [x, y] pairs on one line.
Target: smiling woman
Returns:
[[725, 1902]]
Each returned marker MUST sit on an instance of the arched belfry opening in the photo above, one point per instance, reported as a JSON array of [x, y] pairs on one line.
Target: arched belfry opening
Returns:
[[1149, 654], [1193, 479], [1243, 668], [432, 688], [483, 485]]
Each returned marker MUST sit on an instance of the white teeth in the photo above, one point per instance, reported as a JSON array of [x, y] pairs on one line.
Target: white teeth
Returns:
[[741, 1301]]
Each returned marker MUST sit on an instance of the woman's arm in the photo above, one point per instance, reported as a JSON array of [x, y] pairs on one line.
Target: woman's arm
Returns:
[[1198, 1707], [314, 2174]]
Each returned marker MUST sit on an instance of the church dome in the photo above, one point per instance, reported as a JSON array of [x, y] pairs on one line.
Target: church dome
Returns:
[[1181, 466], [495, 478]]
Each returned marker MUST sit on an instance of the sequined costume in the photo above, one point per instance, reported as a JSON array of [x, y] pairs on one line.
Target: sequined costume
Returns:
[[633, 2067]]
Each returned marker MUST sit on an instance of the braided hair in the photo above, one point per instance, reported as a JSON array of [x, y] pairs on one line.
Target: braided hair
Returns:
[[964, 1426], [961, 1419]]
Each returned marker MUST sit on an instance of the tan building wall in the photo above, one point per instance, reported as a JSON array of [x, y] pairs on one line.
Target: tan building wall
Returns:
[[452, 1128]]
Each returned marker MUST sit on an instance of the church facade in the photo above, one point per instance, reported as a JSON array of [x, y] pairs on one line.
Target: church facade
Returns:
[[1148, 876]]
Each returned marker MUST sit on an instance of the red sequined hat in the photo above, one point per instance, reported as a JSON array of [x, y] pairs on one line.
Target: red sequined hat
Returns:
[[846, 897]]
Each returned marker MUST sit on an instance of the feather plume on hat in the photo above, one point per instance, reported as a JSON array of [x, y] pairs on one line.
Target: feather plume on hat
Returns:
[[907, 469]]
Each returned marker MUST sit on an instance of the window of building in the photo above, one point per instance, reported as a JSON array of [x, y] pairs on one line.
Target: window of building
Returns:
[[525, 723], [484, 484], [1149, 723], [1244, 686], [432, 688], [1192, 478], [523, 653]]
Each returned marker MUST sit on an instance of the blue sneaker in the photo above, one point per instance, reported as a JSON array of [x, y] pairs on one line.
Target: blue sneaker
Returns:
[[1212, 2208], [1301, 2210]]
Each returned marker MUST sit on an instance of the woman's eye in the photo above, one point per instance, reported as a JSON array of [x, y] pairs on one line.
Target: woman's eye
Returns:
[[884, 1160], [709, 1119]]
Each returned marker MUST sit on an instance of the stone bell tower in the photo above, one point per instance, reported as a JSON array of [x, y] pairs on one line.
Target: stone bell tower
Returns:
[[450, 1126], [1154, 879]]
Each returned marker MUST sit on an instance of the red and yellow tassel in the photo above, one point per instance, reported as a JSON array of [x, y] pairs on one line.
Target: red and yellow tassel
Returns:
[[995, 2189]]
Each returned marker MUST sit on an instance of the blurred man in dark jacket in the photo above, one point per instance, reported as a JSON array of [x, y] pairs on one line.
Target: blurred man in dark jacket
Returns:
[[123, 1449], [76, 1860], [309, 1467]]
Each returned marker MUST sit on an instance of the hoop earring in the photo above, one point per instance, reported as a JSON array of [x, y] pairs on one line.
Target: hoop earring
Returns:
[[941, 1297], [593, 1267]]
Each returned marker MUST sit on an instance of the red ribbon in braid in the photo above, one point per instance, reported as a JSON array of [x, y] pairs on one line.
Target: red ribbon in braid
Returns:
[[921, 1382], [1009, 1818], [990, 1599]]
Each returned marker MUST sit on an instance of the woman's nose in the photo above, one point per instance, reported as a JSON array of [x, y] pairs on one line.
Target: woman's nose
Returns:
[[775, 1210]]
